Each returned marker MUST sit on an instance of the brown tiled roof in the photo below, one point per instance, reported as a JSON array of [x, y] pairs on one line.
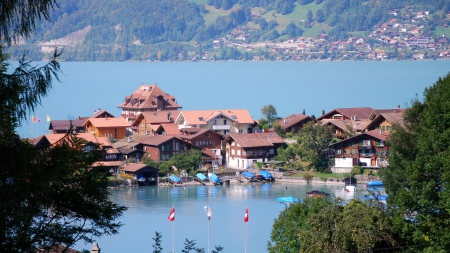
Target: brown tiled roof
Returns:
[[157, 117], [157, 139], [146, 93], [107, 122], [135, 139], [357, 125], [59, 125], [382, 135], [54, 138], [208, 155], [133, 167], [102, 114], [377, 112], [391, 117], [359, 112], [199, 131], [202, 117], [256, 139], [107, 163], [292, 120]]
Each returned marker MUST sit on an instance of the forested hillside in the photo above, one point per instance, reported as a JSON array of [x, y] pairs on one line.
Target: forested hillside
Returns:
[[184, 30]]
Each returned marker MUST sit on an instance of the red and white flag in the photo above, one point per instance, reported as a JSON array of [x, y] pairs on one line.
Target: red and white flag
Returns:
[[209, 213], [172, 215], [246, 215], [39, 119]]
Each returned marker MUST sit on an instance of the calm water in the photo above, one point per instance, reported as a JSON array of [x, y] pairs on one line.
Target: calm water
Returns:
[[289, 86], [149, 208]]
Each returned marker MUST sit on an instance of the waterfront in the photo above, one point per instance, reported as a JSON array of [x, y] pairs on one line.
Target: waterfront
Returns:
[[149, 208], [289, 86]]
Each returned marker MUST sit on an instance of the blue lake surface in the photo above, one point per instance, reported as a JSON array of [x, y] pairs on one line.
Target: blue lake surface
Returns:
[[290, 86], [149, 208]]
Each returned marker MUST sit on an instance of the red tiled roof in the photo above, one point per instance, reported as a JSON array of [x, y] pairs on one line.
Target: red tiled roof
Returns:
[[378, 134], [157, 140], [256, 139], [157, 117], [359, 112], [145, 95], [202, 117], [107, 122], [171, 128], [292, 120], [133, 167]]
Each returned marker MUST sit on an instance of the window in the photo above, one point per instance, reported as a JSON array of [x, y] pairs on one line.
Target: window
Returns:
[[383, 128], [271, 151], [232, 151], [259, 152], [162, 148], [353, 151], [207, 134], [241, 131], [238, 152], [347, 151], [250, 152], [224, 121], [233, 143], [339, 152]]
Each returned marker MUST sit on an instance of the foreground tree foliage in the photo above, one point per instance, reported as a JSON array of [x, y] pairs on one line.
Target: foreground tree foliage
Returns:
[[325, 225], [418, 177], [48, 196]]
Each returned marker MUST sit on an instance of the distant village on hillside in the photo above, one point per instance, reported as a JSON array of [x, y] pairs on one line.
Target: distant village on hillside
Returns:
[[154, 126]]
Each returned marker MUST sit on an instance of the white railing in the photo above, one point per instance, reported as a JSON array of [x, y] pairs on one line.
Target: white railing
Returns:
[[221, 127]]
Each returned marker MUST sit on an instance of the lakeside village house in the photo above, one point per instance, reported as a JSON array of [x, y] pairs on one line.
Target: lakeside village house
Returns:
[[152, 125]]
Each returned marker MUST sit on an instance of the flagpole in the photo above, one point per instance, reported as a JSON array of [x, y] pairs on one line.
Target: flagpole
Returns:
[[208, 225], [173, 234], [246, 229]]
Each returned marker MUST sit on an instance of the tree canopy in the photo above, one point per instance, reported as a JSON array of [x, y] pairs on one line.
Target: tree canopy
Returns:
[[270, 113], [418, 176]]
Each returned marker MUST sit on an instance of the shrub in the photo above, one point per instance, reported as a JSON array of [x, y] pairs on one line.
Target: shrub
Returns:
[[367, 172], [356, 170], [327, 171], [308, 176]]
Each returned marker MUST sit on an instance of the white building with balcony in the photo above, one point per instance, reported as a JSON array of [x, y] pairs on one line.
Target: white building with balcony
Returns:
[[220, 121]]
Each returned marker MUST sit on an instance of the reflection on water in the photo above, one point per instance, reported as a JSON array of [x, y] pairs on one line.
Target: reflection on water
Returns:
[[149, 208]]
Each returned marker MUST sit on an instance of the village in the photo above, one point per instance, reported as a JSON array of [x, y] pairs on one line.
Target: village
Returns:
[[403, 37], [153, 126]]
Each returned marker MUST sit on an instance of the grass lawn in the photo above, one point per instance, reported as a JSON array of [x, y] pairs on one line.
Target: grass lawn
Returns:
[[321, 175], [213, 13], [439, 31], [198, 1]]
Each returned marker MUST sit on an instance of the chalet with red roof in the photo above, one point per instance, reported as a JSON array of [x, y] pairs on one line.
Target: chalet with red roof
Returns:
[[208, 140], [243, 150], [156, 123], [294, 122], [368, 150], [384, 119], [148, 97], [162, 147], [107, 127]]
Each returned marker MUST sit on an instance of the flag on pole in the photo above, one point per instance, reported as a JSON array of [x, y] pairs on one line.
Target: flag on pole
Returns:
[[172, 215], [39, 119], [246, 215], [209, 213], [48, 118], [33, 119]]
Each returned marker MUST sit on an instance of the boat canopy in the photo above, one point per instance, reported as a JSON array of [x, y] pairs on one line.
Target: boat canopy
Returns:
[[374, 183], [215, 179], [288, 199], [201, 176], [248, 174], [265, 174], [175, 178]]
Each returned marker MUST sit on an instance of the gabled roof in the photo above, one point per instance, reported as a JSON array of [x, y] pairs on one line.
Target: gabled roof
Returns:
[[157, 140], [144, 96], [52, 139], [292, 119], [357, 125], [359, 112], [202, 117], [377, 134], [193, 135], [102, 114], [107, 122], [256, 139], [156, 117], [391, 117], [133, 167], [377, 112], [170, 128], [60, 125]]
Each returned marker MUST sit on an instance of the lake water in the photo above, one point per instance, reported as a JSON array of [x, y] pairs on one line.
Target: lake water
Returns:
[[289, 86], [150, 206]]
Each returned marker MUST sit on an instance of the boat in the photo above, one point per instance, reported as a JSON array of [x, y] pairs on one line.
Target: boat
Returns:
[[174, 179], [266, 175], [247, 174], [350, 188], [288, 199], [374, 183], [201, 176], [141, 179], [317, 194], [215, 179]]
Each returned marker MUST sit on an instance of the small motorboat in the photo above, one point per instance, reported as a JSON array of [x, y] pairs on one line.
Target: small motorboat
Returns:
[[141, 179], [374, 183], [376, 197], [215, 179], [247, 174], [174, 179], [266, 175], [288, 199], [317, 194], [350, 188]]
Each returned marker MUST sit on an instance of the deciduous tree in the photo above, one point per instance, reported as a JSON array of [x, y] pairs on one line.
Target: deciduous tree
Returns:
[[269, 112]]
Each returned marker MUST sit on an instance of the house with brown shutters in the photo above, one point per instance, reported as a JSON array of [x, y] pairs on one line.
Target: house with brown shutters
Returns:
[[208, 140], [156, 123], [294, 122], [220, 121], [62, 126], [147, 98], [162, 147], [385, 118], [368, 150], [346, 121], [243, 150], [116, 128]]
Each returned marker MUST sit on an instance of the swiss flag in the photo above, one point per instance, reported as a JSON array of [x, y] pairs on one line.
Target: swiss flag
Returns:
[[246, 215], [172, 215]]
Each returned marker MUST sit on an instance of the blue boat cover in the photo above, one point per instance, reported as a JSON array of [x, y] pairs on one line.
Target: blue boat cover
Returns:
[[175, 179], [288, 199], [215, 179], [380, 197], [248, 174], [374, 183], [265, 174], [201, 176]]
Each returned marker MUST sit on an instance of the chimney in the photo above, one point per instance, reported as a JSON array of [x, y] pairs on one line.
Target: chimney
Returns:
[[323, 112], [303, 113], [95, 248], [398, 106]]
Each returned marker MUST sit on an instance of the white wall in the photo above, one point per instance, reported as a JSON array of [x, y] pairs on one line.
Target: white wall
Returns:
[[343, 162]]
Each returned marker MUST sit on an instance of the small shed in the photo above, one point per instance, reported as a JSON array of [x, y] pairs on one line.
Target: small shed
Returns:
[[143, 173]]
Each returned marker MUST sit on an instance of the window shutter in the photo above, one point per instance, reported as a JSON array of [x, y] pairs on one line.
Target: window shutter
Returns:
[[361, 143]]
